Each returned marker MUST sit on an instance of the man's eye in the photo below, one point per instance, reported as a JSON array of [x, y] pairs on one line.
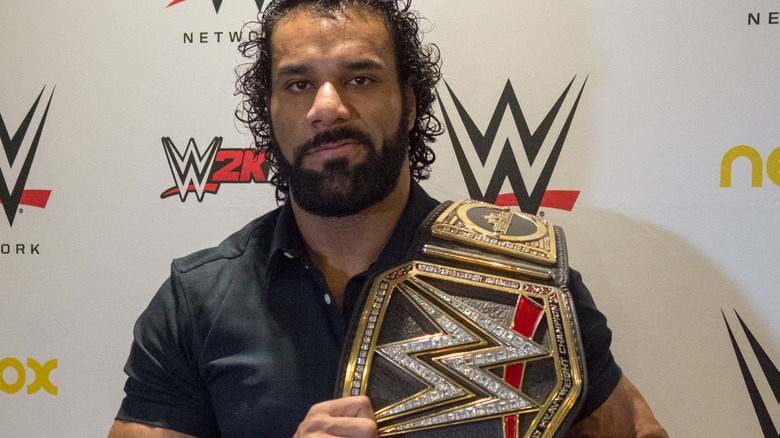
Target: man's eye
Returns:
[[359, 80], [299, 85]]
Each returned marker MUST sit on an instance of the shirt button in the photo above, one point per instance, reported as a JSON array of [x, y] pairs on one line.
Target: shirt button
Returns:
[[288, 255], [327, 299]]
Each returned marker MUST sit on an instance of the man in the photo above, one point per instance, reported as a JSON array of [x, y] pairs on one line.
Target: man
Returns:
[[244, 339]]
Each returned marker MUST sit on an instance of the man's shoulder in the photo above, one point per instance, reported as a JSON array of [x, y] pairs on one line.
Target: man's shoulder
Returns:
[[254, 238]]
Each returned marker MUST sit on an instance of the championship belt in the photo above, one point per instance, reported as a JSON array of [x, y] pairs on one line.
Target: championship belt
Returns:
[[474, 336]]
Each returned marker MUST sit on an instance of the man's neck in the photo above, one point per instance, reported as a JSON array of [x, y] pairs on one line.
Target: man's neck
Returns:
[[342, 247]]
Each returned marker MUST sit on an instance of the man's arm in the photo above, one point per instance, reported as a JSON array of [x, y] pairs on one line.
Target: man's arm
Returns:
[[624, 414], [124, 429], [350, 417]]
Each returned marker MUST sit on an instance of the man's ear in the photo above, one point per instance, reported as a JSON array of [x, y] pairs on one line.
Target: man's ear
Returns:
[[411, 107]]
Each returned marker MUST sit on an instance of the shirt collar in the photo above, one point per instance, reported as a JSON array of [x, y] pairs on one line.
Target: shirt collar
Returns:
[[418, 206], [287, 243]]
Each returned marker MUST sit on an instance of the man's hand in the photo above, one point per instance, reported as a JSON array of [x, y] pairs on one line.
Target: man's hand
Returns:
[[624, 414], [350, 417]]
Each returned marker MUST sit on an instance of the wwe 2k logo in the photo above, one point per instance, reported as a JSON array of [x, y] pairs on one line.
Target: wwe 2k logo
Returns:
[[218, 4], [764, 394], [528, 176], [204, 172], [16, 162]]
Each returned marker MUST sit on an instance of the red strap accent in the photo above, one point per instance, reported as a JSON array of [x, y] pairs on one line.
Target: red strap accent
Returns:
[[510, 426], [526, 320], [527, 317], [514, 375]]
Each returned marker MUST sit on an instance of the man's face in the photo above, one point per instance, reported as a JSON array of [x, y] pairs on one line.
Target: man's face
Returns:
[[337, 112]]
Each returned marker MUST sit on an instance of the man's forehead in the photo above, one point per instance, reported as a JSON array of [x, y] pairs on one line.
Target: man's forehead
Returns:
[[350, 12], [328, 27]]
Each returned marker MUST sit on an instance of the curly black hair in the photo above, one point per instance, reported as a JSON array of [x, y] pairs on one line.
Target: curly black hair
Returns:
[[417, 65]]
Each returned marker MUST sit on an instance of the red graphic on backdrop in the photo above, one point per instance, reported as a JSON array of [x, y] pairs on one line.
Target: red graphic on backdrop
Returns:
[[16, 162], [558, 199], [34, 198], [217, 4]]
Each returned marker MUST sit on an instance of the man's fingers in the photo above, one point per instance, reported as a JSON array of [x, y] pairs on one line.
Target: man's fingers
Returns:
[[345, 417], [356, 406], [360, 407], [338, 427]]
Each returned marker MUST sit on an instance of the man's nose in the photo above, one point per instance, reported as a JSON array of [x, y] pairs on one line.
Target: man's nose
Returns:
[[328, 107]]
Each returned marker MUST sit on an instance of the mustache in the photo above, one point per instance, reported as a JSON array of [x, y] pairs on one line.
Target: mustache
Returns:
[[330, 136]]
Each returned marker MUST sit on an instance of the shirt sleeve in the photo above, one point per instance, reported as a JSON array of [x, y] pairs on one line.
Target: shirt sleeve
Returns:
[[603, 373], [164, 388]]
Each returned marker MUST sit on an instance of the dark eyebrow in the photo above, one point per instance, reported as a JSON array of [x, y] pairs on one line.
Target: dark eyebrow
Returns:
[[301, 69], [364, 64], [292, 70]]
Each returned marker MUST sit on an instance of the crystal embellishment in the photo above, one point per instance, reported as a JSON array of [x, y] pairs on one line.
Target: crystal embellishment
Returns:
[[507, 346], [400, 353]]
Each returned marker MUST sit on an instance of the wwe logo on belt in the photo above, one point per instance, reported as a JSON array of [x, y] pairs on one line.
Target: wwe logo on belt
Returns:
[[528, 177], [197, 172], [218, 4], [16, 162]]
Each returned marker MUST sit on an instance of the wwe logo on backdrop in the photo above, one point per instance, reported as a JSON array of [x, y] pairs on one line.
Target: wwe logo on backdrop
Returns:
[[192, 169], [16, 162], [218, 4], [769, 369], [198, 172], [497, 163]]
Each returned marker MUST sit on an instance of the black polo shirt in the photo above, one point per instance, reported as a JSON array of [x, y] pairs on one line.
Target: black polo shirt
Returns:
[[244, 338]]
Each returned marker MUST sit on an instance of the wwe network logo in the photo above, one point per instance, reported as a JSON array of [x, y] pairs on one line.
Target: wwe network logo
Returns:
[[16, 162], [198, 172], [771, 374], [218, 4], [528, 176]]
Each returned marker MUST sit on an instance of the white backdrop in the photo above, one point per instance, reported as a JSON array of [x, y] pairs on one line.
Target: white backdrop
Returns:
[[671, 256]]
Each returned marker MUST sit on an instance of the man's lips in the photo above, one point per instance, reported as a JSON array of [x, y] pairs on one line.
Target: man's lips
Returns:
[[336, 144], [334, 149]]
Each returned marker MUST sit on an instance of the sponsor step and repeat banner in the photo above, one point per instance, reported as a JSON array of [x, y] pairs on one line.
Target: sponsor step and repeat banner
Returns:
[[649, 131]]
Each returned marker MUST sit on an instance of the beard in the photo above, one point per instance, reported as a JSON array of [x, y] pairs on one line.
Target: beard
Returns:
[[341, 189]]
